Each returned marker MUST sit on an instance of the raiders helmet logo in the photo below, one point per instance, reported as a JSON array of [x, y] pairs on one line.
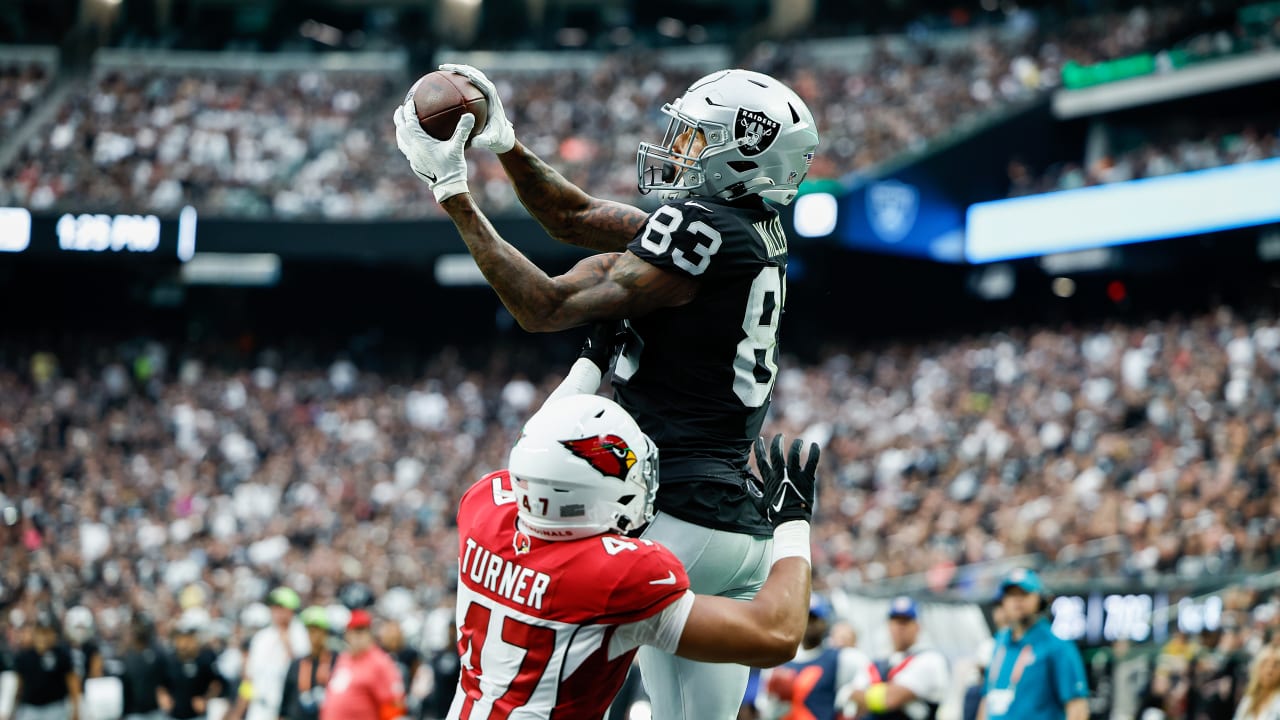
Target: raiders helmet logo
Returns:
[[607, 453], [755, 131]]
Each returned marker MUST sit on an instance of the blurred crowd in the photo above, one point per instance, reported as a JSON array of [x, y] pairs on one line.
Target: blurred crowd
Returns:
[[1151, 159], [905, 95], [145, 478], [308, 144], [232, 143], [20, 86], [1161, 437]]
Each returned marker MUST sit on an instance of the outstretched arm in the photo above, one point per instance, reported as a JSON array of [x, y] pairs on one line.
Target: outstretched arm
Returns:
[[568, 213], [608, 285]]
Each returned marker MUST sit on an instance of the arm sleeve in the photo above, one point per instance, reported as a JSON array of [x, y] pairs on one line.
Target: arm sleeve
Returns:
[[661, 630], [583, 379], [1068, 671]]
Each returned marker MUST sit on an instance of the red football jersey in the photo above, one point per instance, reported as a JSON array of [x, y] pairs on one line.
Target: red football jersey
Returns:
[[538, 621]]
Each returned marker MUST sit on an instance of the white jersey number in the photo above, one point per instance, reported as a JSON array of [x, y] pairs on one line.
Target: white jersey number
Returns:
[[658, 234], [514, 660], [755, 366], [755, 361]]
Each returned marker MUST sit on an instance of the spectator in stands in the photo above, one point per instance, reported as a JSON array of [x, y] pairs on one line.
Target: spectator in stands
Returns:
[[308, 676], [1262, 695], [1162, 154], [366, 684], [1034, 675], [301, 144]]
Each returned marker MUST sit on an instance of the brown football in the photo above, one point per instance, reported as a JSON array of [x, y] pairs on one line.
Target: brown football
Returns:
[[441, 98]]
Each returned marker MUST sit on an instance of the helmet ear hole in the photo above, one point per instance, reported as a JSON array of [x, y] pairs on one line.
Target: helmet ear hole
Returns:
[[742, 166], [626, 499], [795, 116]]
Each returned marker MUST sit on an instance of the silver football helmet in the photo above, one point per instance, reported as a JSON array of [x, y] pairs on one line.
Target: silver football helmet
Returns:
[[759, 140], [583, 467]]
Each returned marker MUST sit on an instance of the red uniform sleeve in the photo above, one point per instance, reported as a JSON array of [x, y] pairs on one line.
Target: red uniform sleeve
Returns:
[[645, 580]]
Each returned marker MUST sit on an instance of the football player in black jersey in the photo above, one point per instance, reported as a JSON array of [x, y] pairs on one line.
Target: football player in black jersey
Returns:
[[702, 282]]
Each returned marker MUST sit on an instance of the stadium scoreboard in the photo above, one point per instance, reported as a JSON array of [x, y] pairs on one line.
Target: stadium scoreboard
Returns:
[[98, 234], [1101, 618]]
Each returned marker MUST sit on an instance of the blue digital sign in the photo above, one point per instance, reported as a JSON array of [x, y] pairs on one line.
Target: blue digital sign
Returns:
[[1181, 205], [902, 216]]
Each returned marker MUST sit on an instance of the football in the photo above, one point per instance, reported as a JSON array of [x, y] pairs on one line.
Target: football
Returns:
[[440, 98]]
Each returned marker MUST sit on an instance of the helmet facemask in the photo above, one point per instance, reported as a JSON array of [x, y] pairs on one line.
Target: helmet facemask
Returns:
[[674, 167]]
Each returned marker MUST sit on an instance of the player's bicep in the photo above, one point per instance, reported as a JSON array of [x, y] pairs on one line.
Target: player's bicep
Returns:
[[616, 285], [606, 224], [726, 630]]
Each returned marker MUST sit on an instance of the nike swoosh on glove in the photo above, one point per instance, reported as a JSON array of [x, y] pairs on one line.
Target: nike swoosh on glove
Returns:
[[789, 489], [439, 163], [498, 134]]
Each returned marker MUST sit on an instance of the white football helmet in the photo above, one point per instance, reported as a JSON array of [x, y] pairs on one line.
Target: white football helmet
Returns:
[[760, 139], [583, 467]]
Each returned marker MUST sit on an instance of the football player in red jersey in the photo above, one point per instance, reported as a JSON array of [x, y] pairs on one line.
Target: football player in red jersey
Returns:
[[553, 598], [702, 282]]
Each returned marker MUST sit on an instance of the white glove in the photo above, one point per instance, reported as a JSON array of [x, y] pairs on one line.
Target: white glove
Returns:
[[438, 163], [498, 135]]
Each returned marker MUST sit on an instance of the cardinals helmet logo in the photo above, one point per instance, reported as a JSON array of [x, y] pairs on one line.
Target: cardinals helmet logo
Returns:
[[607, 453]]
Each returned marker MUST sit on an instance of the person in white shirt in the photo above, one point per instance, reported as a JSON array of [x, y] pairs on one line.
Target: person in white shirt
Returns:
[[912, 683], [270, 652]]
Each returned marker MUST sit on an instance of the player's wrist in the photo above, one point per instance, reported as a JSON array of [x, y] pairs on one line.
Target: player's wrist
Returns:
[[446, 190], [791, 539], [504, 141]]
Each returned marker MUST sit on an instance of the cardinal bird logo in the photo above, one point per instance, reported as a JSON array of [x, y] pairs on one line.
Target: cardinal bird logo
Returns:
[[607, 453]]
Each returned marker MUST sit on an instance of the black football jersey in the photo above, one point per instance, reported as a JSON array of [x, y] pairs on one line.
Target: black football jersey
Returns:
[[698, 378]]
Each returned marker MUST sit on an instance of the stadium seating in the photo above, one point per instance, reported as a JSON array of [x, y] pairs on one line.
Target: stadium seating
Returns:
[[249, 143]]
